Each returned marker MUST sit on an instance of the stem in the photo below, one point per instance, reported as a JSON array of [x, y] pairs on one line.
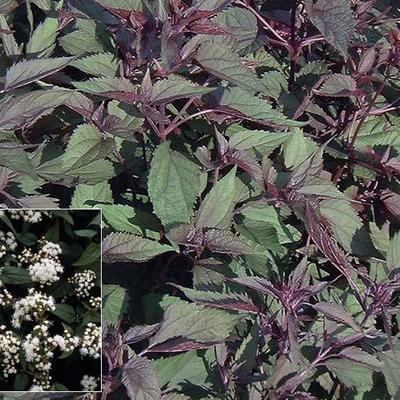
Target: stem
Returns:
[[293, 47]]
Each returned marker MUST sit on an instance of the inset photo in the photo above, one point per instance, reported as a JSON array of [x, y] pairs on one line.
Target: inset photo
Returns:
[[50, 300]]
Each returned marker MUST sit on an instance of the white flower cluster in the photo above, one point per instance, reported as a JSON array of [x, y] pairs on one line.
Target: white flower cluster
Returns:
[[66, 342], [28, 215], [89, 383], [45, 266], [95, 302], [39, 351], [9, 351], [32, 307], [8, 242], [90, 344], [83, 282], [5, 296]]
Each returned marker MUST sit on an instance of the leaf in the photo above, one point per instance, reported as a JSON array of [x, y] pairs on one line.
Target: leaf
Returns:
[[23, 110], [9, 44], [87, 148], [336, 313], [91, 254], [140, 332], [174, 183], [216, 210], [15, 275], [175, 87], [43, 40], [241, 23], [356, 354], [124, 247], [224, 241], [85, 195], [297, 149], [338, 85], [262, 141], [194, 322], [140, 380], [334, 19], [222, 62], [106, 85], [210, 5], [253, 107], [65, 312], [114, 304], [16, 159], [351, 373], [128, 5], [393, 256], [100, 64], [29, 71], [227, 301], [124, 218], [391, 371]]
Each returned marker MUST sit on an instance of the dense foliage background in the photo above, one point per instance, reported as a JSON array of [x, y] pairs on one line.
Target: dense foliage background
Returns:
[[46, 310], [245, 154]]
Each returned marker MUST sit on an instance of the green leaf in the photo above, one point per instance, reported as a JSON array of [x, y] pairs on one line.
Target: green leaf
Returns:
[[125, 218], [262, 141], [85, 195], [338, 85], [174, 183], [224, 241], [91, 254], [100, 64], [122, 4], [210, 5], [241, 23], [65, 312], [222, 62], [351, 373], [17, 160], [140, 380], [87, 148], [334, 19], [124, 247], [23, 110], [216, 209], [254, 107], [194, 322], [393, 256], [106, 85], [391, 371], [15, 275], [28, 71], [175, 87], [297, 149], [337, 313], [115, 302], [43, 40], [9, 44]]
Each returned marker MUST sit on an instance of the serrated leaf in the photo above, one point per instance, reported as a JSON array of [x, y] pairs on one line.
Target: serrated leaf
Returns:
[[228, 301], [17, 160], [100, 64], [338, 85], [262, 141], [114, 304], [210, 5], [106, 85], [254, 107], [86, 148], [222, 62], [125, 247], [194, 322], [140, 380], [43, 40], [23, 110], [28, 71], [241, 23], [175, 87], [391, 371], [86, 195], [334, 19], [216, 209], [224, 241], [174, 183], [337, 313], [351, 373], [297, 149], [393, 256], [9, 44]]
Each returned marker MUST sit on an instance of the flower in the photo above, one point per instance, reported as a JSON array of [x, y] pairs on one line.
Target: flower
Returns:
[[9, 351], [83, 282], [89, 383], [90, 344]]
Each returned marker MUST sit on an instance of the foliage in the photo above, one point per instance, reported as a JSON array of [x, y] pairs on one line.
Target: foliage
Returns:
[[245, 155]]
